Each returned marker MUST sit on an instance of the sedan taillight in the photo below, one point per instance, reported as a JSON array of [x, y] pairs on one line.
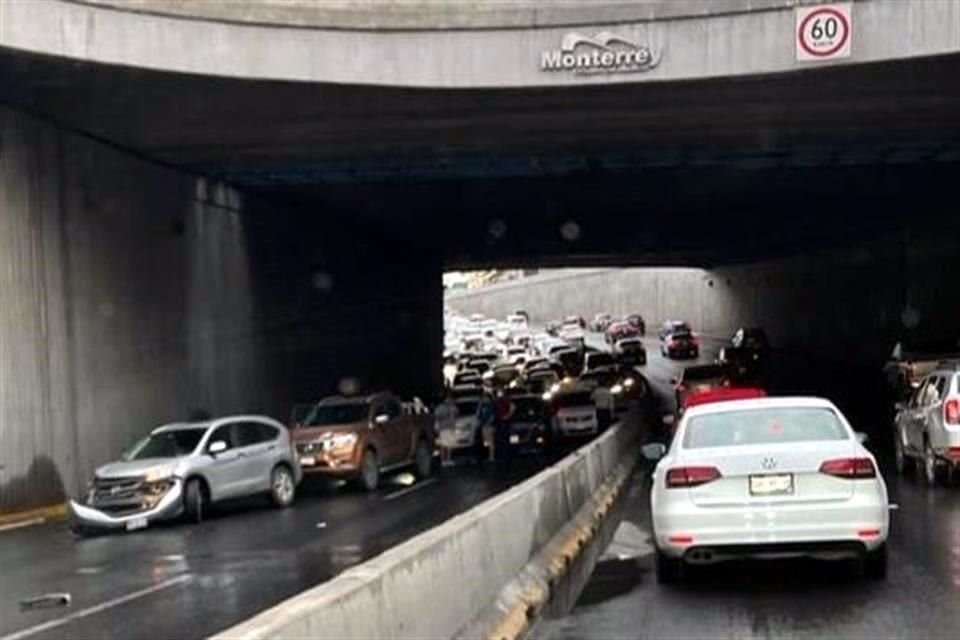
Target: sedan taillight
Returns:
[[951, 411], [849, 468], [679, 477]]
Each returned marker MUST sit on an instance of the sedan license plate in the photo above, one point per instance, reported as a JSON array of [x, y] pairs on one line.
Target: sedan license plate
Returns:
[[514, 438], [772, 485], [307, 461], [136, 523]]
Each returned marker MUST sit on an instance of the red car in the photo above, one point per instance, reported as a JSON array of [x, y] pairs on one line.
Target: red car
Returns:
[[619, 331], [698, 379], [716, 394]]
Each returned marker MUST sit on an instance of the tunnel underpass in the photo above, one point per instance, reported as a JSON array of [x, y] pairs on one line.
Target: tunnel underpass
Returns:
[[178, 239]]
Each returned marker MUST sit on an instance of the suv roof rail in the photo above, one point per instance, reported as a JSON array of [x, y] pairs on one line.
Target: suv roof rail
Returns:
[[950, 363]]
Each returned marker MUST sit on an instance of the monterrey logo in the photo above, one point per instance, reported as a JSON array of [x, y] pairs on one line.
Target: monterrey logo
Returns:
[[604, 52]]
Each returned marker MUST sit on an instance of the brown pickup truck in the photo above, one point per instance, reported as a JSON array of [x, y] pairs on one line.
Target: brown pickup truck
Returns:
[[359, 438]]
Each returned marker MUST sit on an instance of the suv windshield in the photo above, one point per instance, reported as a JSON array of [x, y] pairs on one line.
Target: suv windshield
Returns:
[[763, 426], [167, 444], [347, 413]]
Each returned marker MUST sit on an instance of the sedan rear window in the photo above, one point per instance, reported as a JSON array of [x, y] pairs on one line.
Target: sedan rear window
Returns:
[[763, 426]]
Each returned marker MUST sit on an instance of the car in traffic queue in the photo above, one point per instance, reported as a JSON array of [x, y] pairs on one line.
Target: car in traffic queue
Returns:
[[710, 395], [573, 413], [527, 427], [630, 351], [600, 322], [502, 376], [467, 377], [518, 322], [594, 360], [181, 469], [572, 333], [927, 426], [636, 321], [541, 380], [360, 438], [681, 344], [766, 478], [461, 392], [513, 354], [577, 320], [570, 360], [467, 425], [620, 331], [553, 328], [673, 326], [697, 379]]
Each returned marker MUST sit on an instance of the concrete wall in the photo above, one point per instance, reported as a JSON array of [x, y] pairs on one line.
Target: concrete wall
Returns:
[[125, 301], [131, 294], [743, 42]]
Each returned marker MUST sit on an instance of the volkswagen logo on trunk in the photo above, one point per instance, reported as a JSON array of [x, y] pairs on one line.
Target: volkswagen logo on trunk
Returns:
[[769, 463]]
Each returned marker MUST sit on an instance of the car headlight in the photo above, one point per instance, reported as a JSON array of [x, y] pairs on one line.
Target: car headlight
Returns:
[[547, 395], [616, 389], [343, 440], [159, 473], [555, 387], [158, 488], [628, 382]]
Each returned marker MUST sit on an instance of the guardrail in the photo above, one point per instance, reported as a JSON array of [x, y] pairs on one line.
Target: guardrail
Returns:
[[487, 572]]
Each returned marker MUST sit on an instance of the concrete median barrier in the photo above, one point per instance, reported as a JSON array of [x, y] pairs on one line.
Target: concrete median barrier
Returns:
[[477, 572]]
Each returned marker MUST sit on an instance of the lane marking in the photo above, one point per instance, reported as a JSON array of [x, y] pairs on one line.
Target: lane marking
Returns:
[[20, 525], [89, 611], [399, 494]]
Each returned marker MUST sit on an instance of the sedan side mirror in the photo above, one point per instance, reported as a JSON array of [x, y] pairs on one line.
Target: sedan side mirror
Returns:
[[861, 437], [674, 381], [669, 420], [381, 419], [654, 451], [217, 447]]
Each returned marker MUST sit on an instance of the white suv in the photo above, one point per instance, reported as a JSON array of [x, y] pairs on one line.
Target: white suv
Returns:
[[927, 426]]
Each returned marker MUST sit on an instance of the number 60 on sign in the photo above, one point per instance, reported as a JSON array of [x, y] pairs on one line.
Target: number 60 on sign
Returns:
[[823, 32]]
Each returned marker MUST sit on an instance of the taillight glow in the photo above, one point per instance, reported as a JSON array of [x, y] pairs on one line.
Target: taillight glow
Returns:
[[868, 533], [691, 476], [680, 539], [951, 411], [850, 468], [953, 453]]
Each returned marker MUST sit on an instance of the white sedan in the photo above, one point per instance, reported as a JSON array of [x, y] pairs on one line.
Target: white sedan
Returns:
[[767, 478]]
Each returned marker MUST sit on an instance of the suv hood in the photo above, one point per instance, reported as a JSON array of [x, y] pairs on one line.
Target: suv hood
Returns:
[[308, 434], [125, 469]]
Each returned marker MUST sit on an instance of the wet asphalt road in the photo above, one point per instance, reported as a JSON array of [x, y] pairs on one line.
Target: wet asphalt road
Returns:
[[796, 599], [189, 581]]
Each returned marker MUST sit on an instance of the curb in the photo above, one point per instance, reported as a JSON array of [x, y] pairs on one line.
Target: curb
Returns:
[[18, 519]]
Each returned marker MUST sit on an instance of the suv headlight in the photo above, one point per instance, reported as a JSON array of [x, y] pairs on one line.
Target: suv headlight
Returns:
[[158, 473], [628, 382], [343, 440], [616, 389]]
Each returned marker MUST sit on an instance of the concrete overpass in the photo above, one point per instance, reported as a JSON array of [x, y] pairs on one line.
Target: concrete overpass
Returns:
[[236, 205]]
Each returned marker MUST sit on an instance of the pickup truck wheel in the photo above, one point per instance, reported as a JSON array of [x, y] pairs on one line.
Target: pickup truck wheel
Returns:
[[370, 470], [423, 460], [282, 487], [194, 501]]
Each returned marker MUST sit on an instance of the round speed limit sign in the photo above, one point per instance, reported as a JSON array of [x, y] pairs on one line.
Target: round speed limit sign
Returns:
[[823, 32]]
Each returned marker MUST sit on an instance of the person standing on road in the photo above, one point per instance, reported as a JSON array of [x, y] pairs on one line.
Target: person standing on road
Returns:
[[503, 414], [446, 424], [485, 418]]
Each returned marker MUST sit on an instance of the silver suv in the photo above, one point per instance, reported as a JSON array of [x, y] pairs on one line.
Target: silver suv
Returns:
[[927, 426], [180, 469]]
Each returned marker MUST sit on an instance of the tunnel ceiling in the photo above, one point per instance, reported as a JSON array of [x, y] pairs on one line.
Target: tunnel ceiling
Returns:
[[705, 172]]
